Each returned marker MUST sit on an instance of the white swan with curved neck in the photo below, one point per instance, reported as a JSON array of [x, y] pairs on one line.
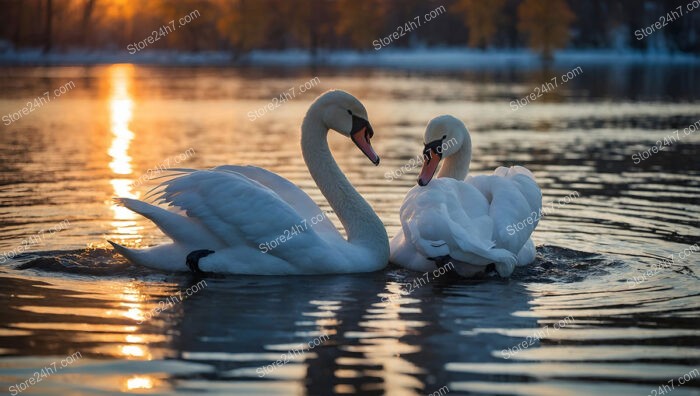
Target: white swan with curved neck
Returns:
[[470, 221], [247, 220]]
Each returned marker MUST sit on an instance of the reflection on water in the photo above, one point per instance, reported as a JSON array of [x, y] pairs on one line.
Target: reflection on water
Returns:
[[626, 338], [132, 298], [120, 110], [139, 382], [121, 106]]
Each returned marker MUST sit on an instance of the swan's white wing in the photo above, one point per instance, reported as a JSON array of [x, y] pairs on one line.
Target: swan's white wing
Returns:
[[515, 203], [286, 190], [450, 217], [240, 210]]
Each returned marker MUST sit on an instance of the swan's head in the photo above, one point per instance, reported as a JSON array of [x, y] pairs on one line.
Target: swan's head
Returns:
[[345, 114], [444, 136]]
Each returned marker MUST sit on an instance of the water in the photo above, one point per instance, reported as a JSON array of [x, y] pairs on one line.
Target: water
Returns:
[[575, 322]]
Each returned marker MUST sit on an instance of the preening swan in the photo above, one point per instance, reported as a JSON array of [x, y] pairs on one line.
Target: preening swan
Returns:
[[247, 220], [466, 221]]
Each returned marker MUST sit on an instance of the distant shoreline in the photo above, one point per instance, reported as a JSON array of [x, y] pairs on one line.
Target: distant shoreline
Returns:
[[421, 59]]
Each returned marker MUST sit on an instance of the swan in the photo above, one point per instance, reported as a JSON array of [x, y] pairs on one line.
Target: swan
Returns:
[[472, 221], [247, 220]]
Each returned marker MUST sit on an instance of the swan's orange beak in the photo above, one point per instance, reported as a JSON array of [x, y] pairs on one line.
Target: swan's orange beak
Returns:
[[361, 134], [431, 159]]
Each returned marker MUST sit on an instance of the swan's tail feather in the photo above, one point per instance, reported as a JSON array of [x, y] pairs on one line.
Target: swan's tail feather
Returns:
[[126, 202], [179, 228], [129, 254], [169, 257]]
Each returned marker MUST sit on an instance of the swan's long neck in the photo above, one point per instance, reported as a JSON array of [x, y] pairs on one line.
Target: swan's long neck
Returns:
[[456, 165], [363, 226]]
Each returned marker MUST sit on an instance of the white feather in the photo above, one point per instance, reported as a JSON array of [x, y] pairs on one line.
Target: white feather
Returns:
[[472, 220]]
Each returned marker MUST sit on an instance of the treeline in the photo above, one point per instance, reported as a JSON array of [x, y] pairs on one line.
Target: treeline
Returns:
[[243, 25]]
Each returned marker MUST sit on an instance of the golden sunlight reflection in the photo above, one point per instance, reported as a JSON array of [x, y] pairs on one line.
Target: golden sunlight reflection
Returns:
[[132, 298], [135, 344], [134, 339], [121, 109], [135, 314], [121, 113], [139, 382], [134, 351], [388, 351]]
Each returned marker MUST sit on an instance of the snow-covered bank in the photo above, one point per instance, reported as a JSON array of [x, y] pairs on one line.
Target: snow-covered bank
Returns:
[[429, 59], [460, 58], [155, 57]]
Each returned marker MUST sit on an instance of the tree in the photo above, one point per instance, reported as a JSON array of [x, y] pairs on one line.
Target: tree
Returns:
[[244, 23], [309, 22], [482, 18], [362, 21], [85, 23], [200, 17], [47, 27], [546, 23]]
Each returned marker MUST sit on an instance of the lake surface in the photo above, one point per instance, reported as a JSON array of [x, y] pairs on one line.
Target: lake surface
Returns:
[[602, 311]]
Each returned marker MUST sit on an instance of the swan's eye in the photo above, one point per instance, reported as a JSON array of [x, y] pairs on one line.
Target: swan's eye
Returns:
[[444, 137], [349, 112]]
